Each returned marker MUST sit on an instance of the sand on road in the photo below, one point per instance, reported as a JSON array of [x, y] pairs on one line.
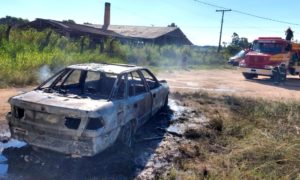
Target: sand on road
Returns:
[[232, 82]]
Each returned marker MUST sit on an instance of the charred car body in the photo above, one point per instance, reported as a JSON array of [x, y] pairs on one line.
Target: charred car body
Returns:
[[85, 108]]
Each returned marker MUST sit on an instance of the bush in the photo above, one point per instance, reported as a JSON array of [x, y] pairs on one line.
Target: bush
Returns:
[[28, 50]]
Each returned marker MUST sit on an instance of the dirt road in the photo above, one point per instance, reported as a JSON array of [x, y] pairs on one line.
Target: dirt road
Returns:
[[222, 81], [5, 94], [232, 81]]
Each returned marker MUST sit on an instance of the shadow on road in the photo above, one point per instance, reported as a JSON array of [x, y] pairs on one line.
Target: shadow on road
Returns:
[[290, 83], [117, 162]]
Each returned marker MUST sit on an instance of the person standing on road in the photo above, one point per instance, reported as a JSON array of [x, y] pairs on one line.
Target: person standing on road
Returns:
[[184, 62]]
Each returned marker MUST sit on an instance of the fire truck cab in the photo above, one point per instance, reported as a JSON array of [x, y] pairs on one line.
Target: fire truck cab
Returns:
[[271, 56]]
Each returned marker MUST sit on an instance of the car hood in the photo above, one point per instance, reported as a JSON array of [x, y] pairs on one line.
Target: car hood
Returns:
[[55, 103]]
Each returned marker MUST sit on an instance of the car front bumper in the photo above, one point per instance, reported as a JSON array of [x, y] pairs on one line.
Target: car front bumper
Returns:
[[263, 72]]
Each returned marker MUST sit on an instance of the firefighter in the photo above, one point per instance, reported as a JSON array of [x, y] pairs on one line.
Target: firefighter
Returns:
[[289, 34], [279, 74], [184, 62]]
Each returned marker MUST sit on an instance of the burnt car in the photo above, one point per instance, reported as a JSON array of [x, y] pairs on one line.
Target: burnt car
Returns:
[[85, 108]]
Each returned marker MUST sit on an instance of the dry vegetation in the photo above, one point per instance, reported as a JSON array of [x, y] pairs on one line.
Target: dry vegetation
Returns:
[[26, 51], [245, 138]]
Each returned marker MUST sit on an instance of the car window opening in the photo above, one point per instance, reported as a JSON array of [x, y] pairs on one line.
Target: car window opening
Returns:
[[82, 84], [136, 84], [150, 79]]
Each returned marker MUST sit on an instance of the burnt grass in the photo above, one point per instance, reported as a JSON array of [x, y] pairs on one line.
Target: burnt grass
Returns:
[[241, 138], [116, 162], [244, 138]]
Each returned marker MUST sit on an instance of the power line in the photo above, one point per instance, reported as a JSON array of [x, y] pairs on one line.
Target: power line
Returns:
[[248, 14]]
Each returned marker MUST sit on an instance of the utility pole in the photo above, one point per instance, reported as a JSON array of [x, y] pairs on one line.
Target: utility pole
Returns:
[[222, 10]]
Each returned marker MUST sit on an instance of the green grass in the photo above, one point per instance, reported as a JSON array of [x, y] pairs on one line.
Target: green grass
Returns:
[[245, 139], [28, 50]]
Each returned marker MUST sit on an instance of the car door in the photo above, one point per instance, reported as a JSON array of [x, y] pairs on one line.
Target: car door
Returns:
[[139, 98], [119, 96], [155, 90]]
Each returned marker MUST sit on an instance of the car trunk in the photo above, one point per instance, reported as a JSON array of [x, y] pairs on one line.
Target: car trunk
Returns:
[[51, 121]]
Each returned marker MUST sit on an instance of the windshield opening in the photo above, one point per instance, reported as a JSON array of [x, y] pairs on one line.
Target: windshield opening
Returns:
[[270, 48], [81, 83]]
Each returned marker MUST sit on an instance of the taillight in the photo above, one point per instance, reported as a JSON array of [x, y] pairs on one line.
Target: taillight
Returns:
[[17, 112], [72, 123], [95, 123]]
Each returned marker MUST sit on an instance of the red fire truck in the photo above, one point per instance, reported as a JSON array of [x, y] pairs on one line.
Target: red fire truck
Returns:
[[271, 56]]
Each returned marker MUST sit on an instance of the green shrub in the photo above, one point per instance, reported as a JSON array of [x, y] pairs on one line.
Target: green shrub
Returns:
[[28, 50]]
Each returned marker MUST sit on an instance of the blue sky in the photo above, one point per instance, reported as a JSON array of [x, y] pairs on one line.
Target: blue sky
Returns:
[[198, 21]]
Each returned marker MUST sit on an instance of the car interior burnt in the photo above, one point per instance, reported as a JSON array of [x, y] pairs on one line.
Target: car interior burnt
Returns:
[[121, 87], [81, 84], [136, 84], [150, 79], [72, 123]]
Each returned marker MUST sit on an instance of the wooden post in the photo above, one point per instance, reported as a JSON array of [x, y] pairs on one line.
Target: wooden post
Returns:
[[46, 42], [82, 44], [7, 32], [101, 46], [222, 20], [111, 47]]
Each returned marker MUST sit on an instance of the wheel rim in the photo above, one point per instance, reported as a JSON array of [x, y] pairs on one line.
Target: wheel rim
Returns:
[[126, 137]]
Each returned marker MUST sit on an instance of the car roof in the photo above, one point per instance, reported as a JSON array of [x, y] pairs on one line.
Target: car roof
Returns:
[[106, 68]]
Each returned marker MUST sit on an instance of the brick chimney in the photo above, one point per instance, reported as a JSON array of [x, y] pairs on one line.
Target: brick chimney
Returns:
[[106, 15]]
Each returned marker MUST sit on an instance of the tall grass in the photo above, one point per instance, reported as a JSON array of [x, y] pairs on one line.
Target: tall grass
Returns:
[[245, 139], [28, 50]]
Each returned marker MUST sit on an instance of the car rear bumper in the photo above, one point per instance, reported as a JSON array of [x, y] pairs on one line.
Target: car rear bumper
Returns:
[[59, 141], [263, 72]]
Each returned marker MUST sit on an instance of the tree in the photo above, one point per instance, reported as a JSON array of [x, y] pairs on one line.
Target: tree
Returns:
[[243, 43], [12, 21], [236, 45], [224, 44], [240, 42], [172, 25], [70, 21]]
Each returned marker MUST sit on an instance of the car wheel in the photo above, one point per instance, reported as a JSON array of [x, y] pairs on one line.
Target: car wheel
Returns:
[[249, 75], [235, 63], [126, 134]]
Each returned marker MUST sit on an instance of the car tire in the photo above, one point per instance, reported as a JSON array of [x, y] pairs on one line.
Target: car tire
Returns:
[[249, 75], [126, 134], [235, 63]]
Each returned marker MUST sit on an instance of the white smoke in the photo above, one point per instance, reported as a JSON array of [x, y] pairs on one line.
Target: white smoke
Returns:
[[44, 73]]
